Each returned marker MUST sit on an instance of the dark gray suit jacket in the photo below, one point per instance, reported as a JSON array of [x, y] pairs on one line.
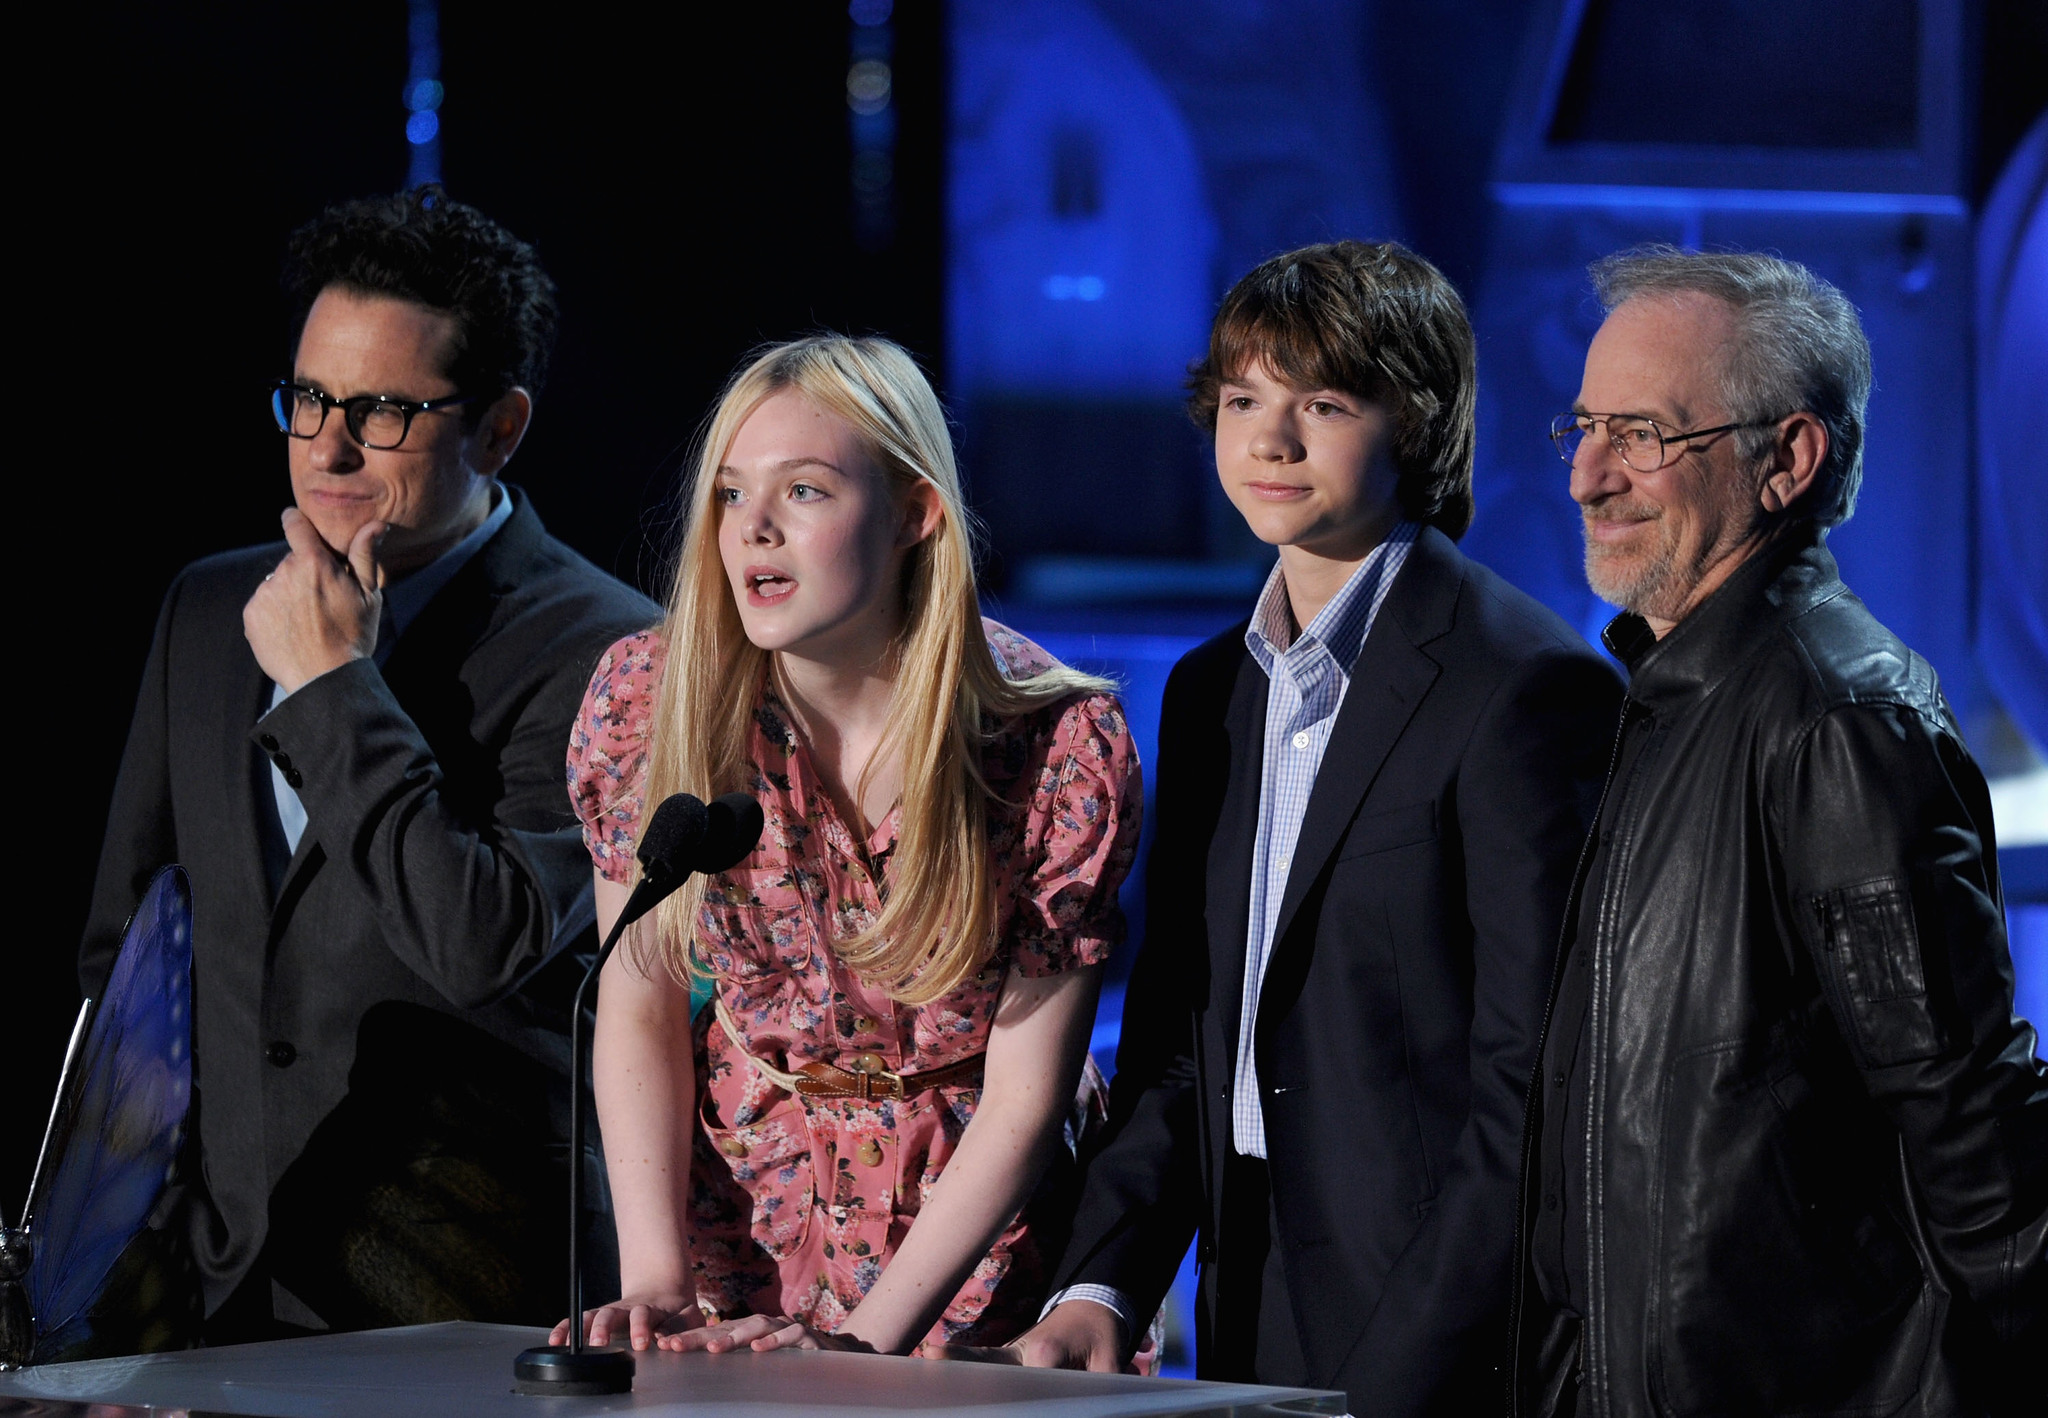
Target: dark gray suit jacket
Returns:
[[432, 895], [1402, 1002]]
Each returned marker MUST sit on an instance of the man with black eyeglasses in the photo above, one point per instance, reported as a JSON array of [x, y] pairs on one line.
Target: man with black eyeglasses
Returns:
[[353, 744], [1787, 1148]]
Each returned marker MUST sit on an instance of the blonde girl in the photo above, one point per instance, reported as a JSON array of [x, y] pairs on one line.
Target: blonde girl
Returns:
[[837, 1152]]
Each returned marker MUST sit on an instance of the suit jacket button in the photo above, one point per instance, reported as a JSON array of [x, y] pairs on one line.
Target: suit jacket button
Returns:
[[269, 742], [281, 1053], [283, 761], [294, 779]]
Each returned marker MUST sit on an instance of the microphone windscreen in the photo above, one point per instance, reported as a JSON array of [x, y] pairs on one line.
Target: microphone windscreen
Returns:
[[674, 838], [734, 827]]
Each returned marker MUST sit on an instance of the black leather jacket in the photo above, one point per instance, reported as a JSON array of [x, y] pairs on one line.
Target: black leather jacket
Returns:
[[1817, 1137]]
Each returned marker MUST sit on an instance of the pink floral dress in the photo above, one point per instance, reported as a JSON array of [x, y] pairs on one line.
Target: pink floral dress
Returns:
[[796, 1204]]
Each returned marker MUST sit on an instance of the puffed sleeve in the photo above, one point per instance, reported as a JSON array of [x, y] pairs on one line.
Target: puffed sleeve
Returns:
[[608, 751], [1015, 656], [1085, 814]]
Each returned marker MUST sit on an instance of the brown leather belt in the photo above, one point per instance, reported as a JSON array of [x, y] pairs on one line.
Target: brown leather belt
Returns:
[[869, 1077]]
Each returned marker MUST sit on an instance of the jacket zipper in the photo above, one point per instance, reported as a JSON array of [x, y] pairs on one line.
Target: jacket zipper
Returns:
[[1516, 1295]]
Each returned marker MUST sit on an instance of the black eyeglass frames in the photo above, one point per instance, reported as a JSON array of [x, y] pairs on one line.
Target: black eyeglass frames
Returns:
[[373, 420]]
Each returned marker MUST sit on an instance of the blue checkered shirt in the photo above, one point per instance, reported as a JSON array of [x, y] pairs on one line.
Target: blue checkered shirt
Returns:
[[1306, 678], [1302, 700]]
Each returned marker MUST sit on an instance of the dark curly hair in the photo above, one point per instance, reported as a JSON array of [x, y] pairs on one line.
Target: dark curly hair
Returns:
[[423, 246], [1375, 320]]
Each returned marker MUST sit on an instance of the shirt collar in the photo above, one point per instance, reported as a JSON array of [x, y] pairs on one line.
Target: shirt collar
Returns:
[[404, 600], [1340, 626], [1776, 584]]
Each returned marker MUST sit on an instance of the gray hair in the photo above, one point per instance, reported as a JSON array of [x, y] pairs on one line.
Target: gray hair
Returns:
[[1799, 348]]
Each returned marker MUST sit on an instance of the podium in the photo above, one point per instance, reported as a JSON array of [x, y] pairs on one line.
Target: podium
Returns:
[[459, 1369]]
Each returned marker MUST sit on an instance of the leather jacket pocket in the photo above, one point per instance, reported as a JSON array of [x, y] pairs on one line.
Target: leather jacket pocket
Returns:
[[1871, 954], [1781, 1280]]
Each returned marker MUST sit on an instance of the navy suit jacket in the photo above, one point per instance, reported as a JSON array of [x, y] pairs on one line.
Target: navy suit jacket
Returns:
[[1399, 1018]]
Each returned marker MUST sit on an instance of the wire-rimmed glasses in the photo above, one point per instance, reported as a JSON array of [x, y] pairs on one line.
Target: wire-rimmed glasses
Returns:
[[1642, 443]]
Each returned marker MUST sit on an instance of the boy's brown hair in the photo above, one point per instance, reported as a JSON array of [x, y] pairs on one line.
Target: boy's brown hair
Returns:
[[1374, 320]]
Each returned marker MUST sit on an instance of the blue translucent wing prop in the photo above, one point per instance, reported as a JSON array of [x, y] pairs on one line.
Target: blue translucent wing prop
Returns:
[[128, 1121]]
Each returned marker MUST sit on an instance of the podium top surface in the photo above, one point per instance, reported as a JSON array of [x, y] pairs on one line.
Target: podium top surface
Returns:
[[446, 1370]]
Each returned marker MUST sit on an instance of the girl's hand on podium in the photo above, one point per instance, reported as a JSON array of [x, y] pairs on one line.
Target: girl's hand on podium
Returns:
[[762, 1333], [640, 1319]]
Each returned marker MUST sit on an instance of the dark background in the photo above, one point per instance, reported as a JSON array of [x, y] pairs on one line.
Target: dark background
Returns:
[[684, 173]]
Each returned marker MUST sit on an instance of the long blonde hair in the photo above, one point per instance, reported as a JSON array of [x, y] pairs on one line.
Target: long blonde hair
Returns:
[[937, 923]]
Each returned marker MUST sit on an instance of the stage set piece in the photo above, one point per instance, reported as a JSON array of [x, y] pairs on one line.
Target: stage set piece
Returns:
[[433, 1371]]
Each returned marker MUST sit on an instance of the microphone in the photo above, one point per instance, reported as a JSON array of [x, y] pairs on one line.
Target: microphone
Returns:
[[685, 835]]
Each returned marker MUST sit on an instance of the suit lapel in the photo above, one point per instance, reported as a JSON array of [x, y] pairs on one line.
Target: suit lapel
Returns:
[[1388, 682], [1230, 849], [460, 612]]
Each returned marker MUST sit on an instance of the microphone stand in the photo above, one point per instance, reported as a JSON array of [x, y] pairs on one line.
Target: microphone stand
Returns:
[[683, 836], [576, 1131], [575, 1368]]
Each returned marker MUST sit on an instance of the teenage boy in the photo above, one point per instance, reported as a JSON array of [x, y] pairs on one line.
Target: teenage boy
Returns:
[[1371, 797]]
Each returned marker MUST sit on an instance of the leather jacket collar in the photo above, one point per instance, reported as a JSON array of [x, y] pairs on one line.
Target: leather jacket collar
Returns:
[[1786, 578]]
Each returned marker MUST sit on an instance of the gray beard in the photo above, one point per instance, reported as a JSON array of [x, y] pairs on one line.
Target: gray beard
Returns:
[[1642, 587]]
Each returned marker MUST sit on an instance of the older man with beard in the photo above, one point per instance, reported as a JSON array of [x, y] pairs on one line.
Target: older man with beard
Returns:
[[1788, 1147]]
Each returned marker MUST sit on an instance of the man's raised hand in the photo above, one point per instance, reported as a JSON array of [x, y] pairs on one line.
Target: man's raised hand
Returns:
[[316, 611]]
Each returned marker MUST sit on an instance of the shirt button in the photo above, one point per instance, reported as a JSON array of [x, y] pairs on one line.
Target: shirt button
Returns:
[[865, 1024], [1301, 738], [281, 1053], [1550, 1203], [732, 1147], [869, 1153], [1559, 1079]]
